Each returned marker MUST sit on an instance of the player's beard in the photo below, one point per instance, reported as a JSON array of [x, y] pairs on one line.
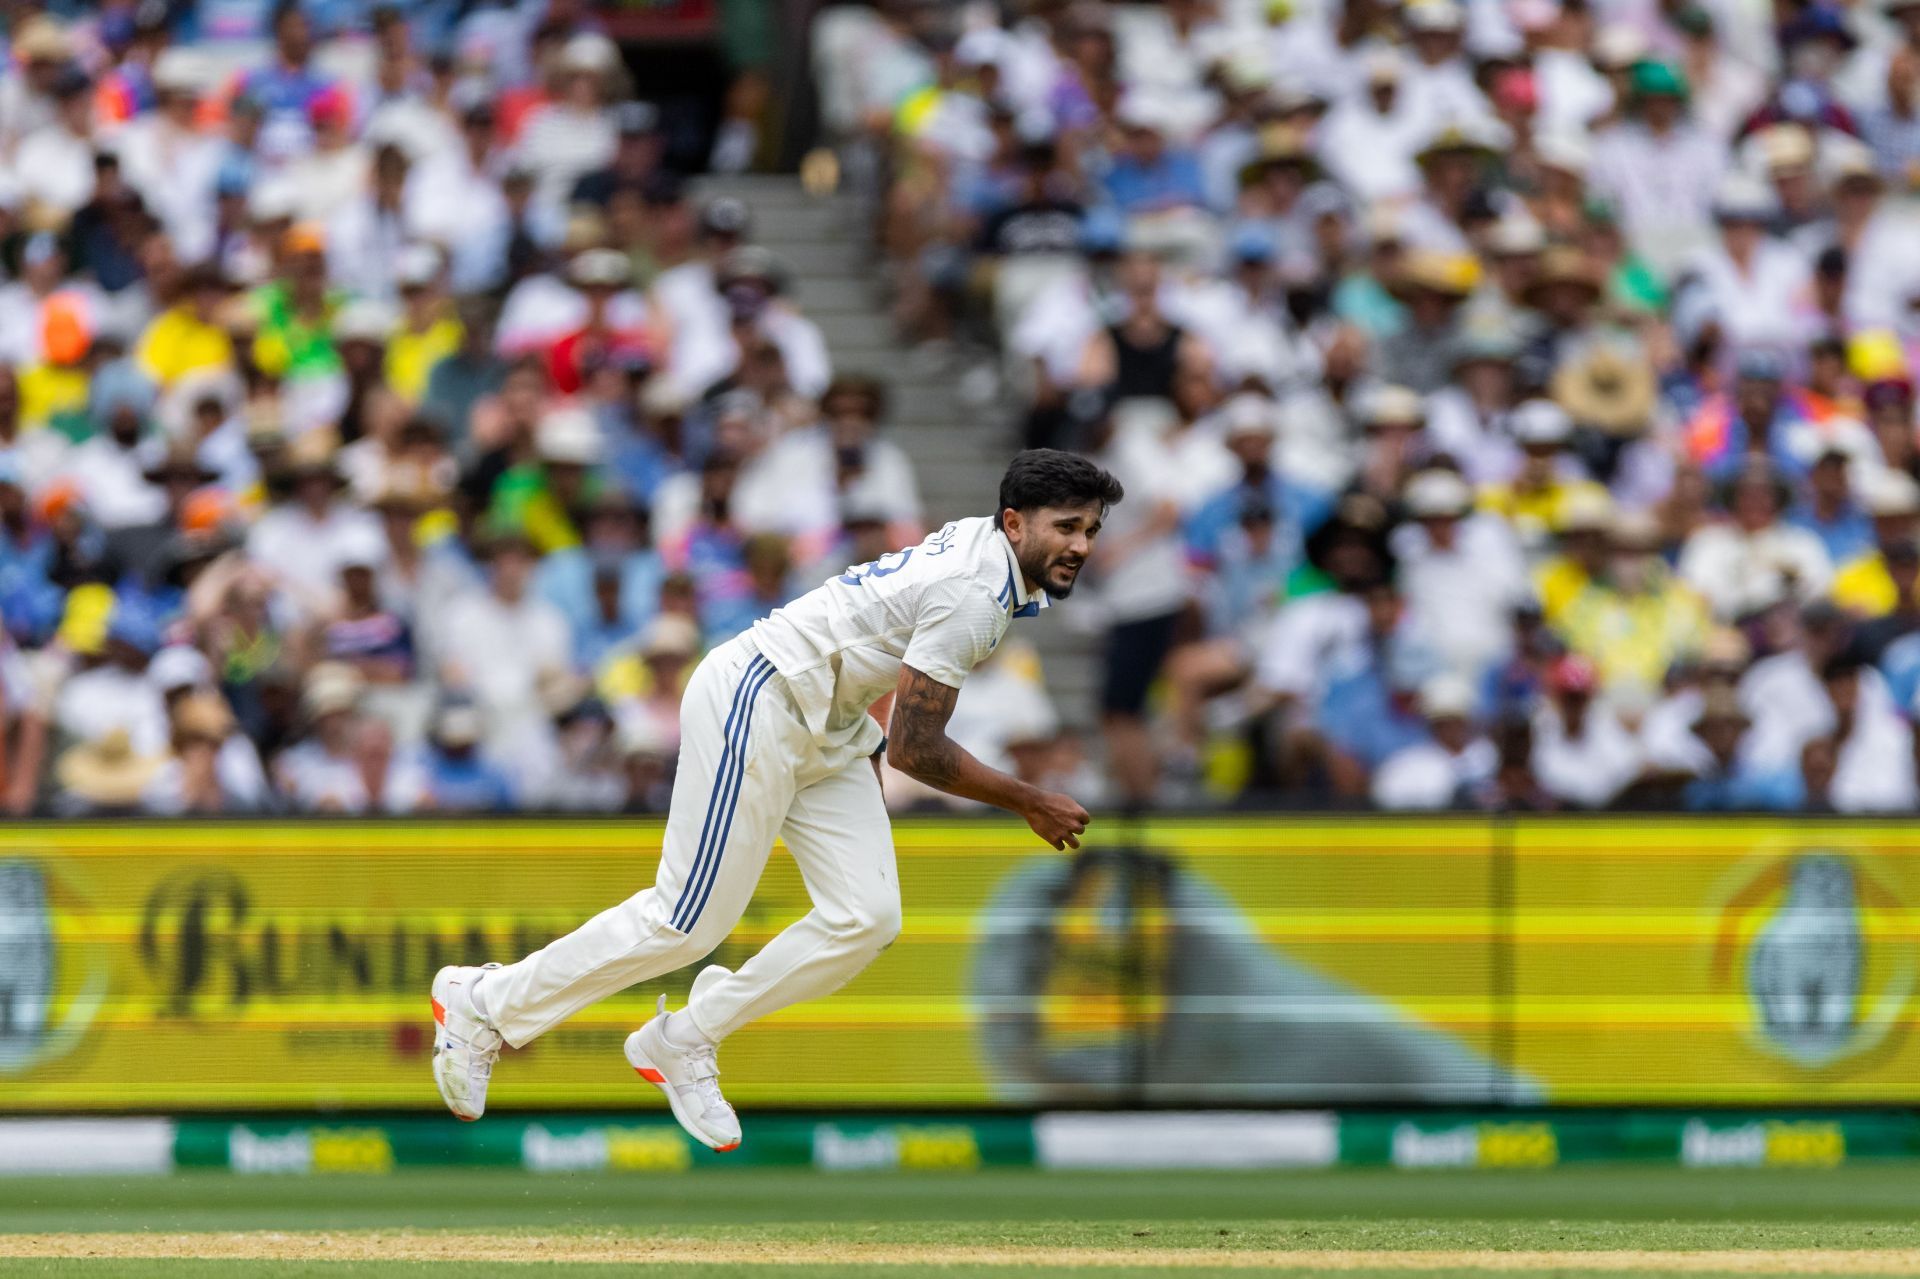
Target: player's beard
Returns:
[[1043, 573]]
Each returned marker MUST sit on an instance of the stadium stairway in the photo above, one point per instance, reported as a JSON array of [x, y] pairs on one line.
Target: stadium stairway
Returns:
[[958, 450]]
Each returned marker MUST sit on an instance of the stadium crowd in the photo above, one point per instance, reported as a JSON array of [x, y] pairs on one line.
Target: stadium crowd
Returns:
[[1515, 397], [384, 426]]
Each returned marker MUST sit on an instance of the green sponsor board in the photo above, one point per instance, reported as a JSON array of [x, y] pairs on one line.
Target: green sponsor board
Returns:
[[1700, 1140], [594, 1144]]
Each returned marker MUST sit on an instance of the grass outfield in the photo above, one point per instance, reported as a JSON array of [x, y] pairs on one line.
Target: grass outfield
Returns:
[[1036, 1225]]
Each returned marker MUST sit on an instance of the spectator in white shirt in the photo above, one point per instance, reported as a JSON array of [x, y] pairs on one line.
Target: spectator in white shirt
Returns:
[[55, 163], [1441, 772], [574, 134], [1874, 771], [1659, 168], [500, 639], [170, 162], [1750, 280], [110, 466], [300, 539], [1582, 754], [369, 233], [1461, 573], [1747, 562]]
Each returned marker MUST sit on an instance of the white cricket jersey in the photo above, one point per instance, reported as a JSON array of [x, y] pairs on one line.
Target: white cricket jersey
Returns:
[[939, 607]]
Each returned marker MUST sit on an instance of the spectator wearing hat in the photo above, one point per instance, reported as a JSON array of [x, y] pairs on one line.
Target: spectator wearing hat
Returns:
[[334, 171], [1550, 483], [1461, 572], [543, 496], [55, 161], [344, 761], [187, 338], [1726, 781], [1583, 755], [299, 539], [1873, 766], [608, 586], [1633, 619], [1763, 416], [576, 133], [1830, 511], [500, 637], [1864, 586], [645, 691], [110, 692], [1433, 286], [1748, 561], [753, 283], [369, 234], [104, 777], [1369, 137], [601, 276], [359, 631], [1749, 279], [427, 327], [170, 161], [110, 466], [456, 776], [196, 778], [294, 339], [1368, 710], [1455, 761]]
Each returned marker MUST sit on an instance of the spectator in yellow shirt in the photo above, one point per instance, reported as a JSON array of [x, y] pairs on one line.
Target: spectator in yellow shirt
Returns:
[[1537, 501], [1634, 620], [429, 329], [1863, 586], [1581, 555], [186, 337]]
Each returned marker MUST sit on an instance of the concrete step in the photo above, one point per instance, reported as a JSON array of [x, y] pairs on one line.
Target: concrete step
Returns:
[[852, 331], [837, 259], [778, 226], [821, 295]]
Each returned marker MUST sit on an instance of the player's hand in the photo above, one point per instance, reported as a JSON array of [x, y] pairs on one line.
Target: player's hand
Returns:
[[1058, 819]]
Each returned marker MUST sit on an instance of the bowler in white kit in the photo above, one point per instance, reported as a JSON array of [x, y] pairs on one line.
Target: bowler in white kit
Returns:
[[777, 741]]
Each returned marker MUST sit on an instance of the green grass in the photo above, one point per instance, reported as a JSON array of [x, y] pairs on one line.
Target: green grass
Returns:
[[1862, 1206]]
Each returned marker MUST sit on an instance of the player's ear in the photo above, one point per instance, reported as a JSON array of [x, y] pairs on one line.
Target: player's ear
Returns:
[[1011, 524]]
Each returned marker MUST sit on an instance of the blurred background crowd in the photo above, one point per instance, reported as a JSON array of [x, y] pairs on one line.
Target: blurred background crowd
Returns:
[[1514, 397]]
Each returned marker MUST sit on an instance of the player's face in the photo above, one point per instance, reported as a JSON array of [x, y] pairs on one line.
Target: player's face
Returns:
[[1053, 544]]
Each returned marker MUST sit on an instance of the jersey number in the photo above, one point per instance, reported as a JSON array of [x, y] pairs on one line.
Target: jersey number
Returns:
[[891, 562]]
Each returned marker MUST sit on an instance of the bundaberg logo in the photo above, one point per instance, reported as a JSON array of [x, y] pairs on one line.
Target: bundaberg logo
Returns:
[[1816, 943]]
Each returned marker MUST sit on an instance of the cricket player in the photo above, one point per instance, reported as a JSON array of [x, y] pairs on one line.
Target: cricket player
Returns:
[[776, 740]]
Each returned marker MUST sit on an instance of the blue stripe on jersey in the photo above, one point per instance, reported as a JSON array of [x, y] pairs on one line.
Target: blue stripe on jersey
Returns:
[[726, 791]]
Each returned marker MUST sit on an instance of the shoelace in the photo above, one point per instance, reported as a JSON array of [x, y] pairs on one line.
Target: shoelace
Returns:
[[703, 1068]]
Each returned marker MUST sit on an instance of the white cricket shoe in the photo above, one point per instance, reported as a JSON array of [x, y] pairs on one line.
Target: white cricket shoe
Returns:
[[690, 1077], [464, 1046]]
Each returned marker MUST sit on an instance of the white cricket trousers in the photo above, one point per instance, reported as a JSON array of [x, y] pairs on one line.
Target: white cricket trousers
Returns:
[[750, 770]]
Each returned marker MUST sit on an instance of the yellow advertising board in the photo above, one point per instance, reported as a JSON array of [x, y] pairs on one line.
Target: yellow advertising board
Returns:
[[1178, 961]]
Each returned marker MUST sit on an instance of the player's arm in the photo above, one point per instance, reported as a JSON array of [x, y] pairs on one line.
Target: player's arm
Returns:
[[918, 745]]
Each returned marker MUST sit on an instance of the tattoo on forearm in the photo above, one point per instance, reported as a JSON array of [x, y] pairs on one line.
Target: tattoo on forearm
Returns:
[[918, 742]]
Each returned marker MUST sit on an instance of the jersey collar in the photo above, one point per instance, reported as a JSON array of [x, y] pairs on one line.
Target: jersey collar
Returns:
[[1014, 596]]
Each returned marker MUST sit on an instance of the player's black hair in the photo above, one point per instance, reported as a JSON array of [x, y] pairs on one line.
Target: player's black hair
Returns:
[[1051, 477]]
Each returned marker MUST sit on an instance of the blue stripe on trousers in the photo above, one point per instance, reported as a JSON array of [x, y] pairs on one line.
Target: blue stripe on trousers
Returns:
[[720, 773], [725, 797]]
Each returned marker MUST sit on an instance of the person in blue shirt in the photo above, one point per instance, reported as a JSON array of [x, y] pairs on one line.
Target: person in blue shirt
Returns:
[[1829, 511], [458, 779], [1250, 422], [1149, 175], [1368, 710], [608, 588], [1729, 784]]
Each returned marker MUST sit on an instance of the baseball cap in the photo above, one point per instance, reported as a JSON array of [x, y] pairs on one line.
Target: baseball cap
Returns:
[[1437, 494], [637, 119], [1540, 423]]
